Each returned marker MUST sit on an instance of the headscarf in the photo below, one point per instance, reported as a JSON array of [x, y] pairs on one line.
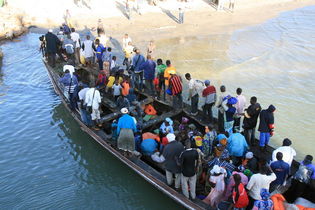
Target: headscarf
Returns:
[[264, 193]]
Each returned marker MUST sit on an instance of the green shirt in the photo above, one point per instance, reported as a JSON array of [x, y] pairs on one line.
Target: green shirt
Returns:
[[160, 69]]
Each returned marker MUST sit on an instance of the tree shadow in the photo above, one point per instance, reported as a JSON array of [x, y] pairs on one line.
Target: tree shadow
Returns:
[[83, 2], [169, 14], [122, 9]]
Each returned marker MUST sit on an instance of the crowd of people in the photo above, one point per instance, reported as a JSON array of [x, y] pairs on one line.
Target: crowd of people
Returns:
[[215, 165]]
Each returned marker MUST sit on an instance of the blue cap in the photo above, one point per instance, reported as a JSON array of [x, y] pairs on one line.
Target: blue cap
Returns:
[[207, 82]]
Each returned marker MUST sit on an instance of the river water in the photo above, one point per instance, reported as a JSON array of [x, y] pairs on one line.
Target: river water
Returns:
[[273, 61], [47, 162]]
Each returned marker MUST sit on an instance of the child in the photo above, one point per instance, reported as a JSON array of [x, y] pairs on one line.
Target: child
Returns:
[[208, 139], [110, 82], [116, 89], [113, 65]]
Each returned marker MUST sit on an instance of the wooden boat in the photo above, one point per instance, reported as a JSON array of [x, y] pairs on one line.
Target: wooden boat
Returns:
[[150, 174]]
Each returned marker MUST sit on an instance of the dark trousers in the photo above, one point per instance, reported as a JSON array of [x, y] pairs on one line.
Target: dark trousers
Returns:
[[194, 103], [100, 64], [178, 101], [73, 101], [138, 80], [221, 121], [161, 89], [250, 203], [52, 59], [236, 124], [250, 136], [149, 87], [207, 112]]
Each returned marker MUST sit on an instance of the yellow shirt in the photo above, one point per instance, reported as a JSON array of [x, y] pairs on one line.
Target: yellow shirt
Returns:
[[111, 81], [128, 51], [167, 74]]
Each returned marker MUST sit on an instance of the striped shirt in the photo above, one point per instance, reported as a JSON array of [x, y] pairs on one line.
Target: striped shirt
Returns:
[[176, 85]]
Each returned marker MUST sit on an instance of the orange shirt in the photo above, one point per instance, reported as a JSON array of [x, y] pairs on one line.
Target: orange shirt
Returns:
[[149, 135], [149, 109], [167, 74], [125, 89]]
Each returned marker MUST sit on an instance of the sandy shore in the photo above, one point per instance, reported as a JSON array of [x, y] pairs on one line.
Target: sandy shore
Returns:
[[156, 22]]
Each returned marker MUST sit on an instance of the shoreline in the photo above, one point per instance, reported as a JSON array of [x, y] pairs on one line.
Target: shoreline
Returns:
[[155, 22]]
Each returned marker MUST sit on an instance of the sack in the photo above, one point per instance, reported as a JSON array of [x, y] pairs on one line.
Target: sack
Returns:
[[69, 48], [303, 174], [89, 109]]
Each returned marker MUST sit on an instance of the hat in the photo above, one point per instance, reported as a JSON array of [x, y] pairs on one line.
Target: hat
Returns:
[[124, 110], [247, 173], [185, 120], [216, 169], [50, 30], [169, 120], [170, 137], [264, 193], [172, 72], [207, 82], [249, 155], [192, 126]]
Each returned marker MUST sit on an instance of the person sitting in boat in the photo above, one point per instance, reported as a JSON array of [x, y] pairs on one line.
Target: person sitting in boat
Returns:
[[150, 112], [101, 79], [70, 83], [122, 102], [287, 151], [93, 101], [184, 124], [150, 143], [249, 162], [237, 147], [170, 157], [167, 125], [125, 86], [265, 203], [125, 129]]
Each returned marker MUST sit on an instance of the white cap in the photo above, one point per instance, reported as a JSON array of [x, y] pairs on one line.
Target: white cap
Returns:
[[50, 30], [124, 110], [170, 137], [249, 155], [215, 170]]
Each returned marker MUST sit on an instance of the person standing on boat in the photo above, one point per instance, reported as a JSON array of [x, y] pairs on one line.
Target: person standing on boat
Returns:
[[170, 157], [220, 108], [52, 43], [167, 74], [125, 129], [160, 75], [176, 87], [210, 95], [100, 49], [189, 163], [137, 73], [266, 126], [288, 152], [193, 94], [250, 120], [85, 116], [149, 73], [77, 44], [240, 107], [68, 46], [88, 48], [128, 51], [228, 106], [70, 82], [93, 100]]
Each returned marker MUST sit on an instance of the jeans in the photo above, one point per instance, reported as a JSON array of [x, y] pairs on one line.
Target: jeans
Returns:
[[221, 121], [86, 117], [178, 101], [169, 179], [250, 136], [207, 111], [192, 185], [149, 87], [138, 79], [194, 103], [264, 139]]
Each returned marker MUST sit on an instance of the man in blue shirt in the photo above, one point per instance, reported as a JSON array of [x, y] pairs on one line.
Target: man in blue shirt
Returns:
[[281, 169], [237, 147], [149, 73], [137, 74]]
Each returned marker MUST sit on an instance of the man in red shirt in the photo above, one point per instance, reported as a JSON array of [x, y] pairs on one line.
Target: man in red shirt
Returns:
[[175, 84], [210, 95]]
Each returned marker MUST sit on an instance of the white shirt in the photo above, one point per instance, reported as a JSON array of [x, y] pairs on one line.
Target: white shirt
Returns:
[[192, 87], [88, 49], [70, 68], [113, 64], [90, 101], [126, 41], [288, 154], [75, 37], [116, 89], [219, 102], [257, 182], [241, 104], [82, 94]]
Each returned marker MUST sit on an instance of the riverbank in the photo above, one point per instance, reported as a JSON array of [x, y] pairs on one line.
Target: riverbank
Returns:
[[156, 22]]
